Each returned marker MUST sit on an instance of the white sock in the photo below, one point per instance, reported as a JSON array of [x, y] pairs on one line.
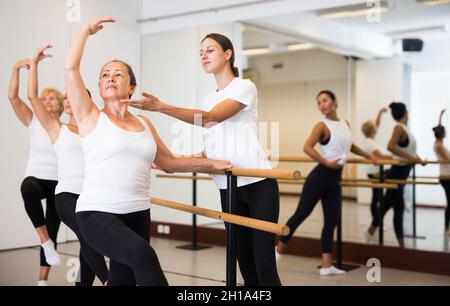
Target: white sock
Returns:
[[277, 255], [51, 256], [331, 271], [42, 283]]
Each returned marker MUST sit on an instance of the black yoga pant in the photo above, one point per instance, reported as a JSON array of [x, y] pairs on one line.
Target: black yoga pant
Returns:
[[33, 191], [125, 240], [446, 185], [322, 183], [255, 248], [395, 199], [66, 205]]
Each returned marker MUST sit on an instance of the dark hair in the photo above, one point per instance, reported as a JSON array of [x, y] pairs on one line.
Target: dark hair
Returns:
[[439, 132], [226, 45], [398, 110], [133, 81], [329, 93]]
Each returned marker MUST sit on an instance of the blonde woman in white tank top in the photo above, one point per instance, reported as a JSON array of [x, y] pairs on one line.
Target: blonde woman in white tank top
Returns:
[[443, 154], [113, 210], [69, 153], [41, 171]]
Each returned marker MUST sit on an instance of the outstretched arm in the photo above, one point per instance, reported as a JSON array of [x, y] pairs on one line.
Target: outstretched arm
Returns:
[[84, 110], [218, 114], [169, 163], [51, 125], [23, 112]]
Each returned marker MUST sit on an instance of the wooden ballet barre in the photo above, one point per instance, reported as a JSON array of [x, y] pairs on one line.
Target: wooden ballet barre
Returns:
[[433, 177], [305, 159], [344, 183], [274, 228], [393, 181], [263, 173]]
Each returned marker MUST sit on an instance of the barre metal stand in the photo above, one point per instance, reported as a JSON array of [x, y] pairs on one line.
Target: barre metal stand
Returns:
[[414, 208], [231, 230], [194, 246], [339, 264], [380, 205]]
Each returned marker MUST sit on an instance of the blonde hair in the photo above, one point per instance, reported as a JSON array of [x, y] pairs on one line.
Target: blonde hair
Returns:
[[367, 128], [59, 96]]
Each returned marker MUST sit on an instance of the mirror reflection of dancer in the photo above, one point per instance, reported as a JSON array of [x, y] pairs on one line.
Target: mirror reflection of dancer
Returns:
[[323, 183], [370, 129], [443, 154], [69, 153], [41, 172], [403, 145], [113, 209], [229, 118]]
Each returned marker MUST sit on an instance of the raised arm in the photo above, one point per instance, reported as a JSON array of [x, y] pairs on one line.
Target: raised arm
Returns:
[[169, 163], [51, 125], [23, 112], [440, 117], [84, 110], [380, 114], [218, 114]]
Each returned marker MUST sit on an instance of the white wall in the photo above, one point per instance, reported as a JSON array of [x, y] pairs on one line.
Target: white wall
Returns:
[[172, 69], [26, 25]]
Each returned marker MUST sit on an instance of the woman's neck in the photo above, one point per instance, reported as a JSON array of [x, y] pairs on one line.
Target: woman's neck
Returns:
[[72, 121], [332, 116], [116, 109], [223, 78]]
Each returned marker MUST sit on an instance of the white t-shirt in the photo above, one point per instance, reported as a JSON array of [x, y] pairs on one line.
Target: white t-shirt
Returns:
[[42, 157], [370, 146], [235, 139], [340, 142]]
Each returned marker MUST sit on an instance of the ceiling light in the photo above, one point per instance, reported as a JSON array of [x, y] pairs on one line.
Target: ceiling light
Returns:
[[356, 10], [256, 51], [419, 32], [433, 2]]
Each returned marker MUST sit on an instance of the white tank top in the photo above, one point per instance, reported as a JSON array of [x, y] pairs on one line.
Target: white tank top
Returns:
[[117, 168], [340, 143], [42, 157], [411, 148], [69, 154], [444, 168]]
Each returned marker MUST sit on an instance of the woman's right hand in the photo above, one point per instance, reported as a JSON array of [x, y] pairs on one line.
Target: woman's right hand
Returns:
[[23, 64], [335, 164], [220, 164], [97, 24]]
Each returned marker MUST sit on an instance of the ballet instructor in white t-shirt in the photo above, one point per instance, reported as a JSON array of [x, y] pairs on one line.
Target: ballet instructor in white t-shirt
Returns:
[[229, 118]]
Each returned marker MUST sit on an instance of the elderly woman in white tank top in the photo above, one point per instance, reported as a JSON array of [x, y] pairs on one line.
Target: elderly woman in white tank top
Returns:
[[113, 210], [70, 159], [443, 154]]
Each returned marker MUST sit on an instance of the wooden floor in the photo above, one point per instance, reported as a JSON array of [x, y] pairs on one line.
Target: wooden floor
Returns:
[[201, 268]]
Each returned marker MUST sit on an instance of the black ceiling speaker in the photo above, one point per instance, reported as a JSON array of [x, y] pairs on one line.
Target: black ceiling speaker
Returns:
[[412, 45]]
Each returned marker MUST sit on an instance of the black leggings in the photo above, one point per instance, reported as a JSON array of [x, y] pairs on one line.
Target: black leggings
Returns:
[[322, 183], [395, 199], [375, 198], [255, 248], [446, 185], [33, 191], [65, 205], [125, 240]]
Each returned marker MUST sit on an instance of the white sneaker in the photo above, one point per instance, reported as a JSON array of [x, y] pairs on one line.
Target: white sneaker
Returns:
[[331, 271], [42, 283], [277, 255], [369, 237]]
